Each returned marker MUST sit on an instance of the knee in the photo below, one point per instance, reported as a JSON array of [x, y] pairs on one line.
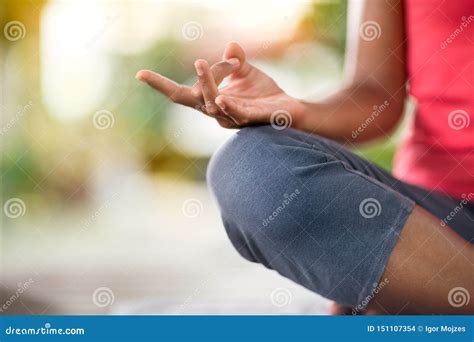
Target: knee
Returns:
[[236, 162], [260, 164], [257, 181], [286, 203], [242, 170]]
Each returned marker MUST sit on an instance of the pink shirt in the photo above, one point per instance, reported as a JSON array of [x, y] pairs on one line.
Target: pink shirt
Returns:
[[438, 153]]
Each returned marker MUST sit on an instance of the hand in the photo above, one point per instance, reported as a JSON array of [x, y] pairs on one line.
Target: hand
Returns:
[[250, 98]]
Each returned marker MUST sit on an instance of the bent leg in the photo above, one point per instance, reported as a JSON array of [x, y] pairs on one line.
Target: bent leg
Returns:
[[430, 271], [314, 213]]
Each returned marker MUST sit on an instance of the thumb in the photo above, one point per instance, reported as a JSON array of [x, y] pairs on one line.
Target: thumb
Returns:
[[234, 50]]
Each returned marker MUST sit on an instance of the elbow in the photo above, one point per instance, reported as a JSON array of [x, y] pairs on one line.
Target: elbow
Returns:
[[392, 117]]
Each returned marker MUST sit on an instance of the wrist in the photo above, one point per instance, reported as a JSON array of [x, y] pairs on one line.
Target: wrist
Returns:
[[298, 111]]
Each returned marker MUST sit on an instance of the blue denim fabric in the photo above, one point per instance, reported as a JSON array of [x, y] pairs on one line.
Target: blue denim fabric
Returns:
[[312, 210]]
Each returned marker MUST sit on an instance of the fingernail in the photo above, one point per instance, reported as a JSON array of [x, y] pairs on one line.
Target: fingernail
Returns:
[[139, 76], [220, 103], [198, 68], [233, 61]]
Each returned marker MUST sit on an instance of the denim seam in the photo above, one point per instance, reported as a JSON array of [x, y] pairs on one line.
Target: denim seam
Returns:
[[376, 182], [310, 147], [391, 238], [406, 206]]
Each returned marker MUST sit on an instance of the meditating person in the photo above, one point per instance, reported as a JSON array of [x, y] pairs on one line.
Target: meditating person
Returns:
[[294, 198]]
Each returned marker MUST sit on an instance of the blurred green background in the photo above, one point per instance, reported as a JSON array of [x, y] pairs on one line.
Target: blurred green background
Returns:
[[44, 134], [76, 126]]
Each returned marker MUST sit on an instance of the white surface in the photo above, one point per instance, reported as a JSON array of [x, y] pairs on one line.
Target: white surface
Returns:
[[153, 258]]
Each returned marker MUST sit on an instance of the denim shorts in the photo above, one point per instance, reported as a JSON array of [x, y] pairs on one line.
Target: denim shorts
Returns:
[[317, 213]]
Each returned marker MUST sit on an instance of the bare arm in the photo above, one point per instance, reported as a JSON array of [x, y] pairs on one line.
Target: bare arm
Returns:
[[374, 77]]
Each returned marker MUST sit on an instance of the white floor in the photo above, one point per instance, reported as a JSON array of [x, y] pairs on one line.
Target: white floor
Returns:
[[137, 243]]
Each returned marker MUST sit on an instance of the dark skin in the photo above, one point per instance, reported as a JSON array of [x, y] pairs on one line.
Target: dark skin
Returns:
[[428, 260]]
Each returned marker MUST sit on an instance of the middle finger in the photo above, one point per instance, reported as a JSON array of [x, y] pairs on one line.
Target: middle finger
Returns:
[[208, 87]]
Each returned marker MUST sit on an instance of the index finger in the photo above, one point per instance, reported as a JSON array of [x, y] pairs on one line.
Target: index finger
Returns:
[[219, 71], [176, 92]]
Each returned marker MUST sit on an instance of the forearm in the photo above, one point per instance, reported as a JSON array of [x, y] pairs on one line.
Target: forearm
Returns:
[[356, 114]]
